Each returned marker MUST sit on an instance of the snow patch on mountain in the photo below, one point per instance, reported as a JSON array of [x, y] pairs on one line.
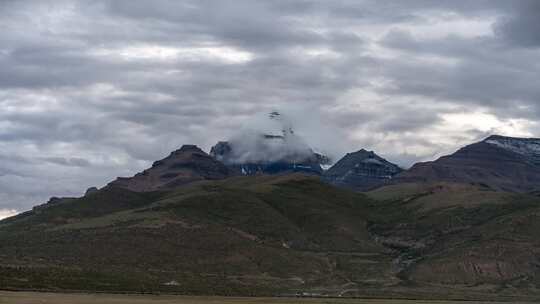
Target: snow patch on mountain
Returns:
[[524, 146], [372, 161]]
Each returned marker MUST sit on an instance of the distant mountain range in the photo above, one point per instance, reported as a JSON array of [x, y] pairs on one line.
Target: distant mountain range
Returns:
[[259, 216], [498, 163]]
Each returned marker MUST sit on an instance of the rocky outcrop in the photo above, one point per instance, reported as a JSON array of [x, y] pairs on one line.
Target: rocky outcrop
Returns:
[[53, 201], [91, 191], [362, 170]]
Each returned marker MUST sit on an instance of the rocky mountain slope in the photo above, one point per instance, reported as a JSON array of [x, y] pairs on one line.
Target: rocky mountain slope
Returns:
[[183, 166], [501, 163], [362, 170]]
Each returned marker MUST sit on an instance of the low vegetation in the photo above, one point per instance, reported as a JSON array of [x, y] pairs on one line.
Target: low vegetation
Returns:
[[281, 236]]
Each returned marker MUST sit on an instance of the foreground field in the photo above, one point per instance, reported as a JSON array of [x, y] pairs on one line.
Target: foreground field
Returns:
[[52, 298]]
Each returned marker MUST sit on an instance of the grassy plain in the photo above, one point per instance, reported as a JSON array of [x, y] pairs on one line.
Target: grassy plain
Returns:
[[64, 298]]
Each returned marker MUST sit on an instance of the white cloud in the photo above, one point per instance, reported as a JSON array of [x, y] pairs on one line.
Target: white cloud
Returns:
[[7, 213], [485, 122], [442, 24], [166, 53]]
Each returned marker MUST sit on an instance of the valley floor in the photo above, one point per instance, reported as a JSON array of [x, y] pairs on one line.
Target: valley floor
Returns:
[[64, 298]]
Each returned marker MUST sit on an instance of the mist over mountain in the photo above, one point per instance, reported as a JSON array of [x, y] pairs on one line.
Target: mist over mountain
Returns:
[[269, 146], [270, 139]]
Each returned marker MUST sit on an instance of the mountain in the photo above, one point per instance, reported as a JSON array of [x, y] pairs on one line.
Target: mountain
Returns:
[[303, 162], [281, 235], [273, 148], [501, 163], [362, 170], [185, 165], [188, 225]]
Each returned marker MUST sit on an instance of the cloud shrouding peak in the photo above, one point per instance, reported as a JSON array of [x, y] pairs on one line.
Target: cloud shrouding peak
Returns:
[[267, 139], [91, 90]]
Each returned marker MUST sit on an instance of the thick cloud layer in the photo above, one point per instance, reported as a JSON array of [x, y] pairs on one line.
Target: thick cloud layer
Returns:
[[90, 90]]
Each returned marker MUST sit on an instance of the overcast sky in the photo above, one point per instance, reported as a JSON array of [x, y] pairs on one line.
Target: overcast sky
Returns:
[[91, 90]]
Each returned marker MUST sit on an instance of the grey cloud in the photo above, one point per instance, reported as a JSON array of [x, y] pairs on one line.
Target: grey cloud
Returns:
[[72, 161], [522, 27], [480, 72], [75, 112]]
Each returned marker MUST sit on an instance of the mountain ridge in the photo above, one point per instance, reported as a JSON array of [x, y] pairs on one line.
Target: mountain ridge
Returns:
[[217, 232], [183, 166], [496, 162]]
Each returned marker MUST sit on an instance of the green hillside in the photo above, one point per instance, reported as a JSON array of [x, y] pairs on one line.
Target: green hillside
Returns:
[[263, 235], [280, 235], [461, 235]]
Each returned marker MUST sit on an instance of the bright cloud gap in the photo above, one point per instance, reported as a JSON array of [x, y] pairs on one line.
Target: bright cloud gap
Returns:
[[5, 213], [166, 53]]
